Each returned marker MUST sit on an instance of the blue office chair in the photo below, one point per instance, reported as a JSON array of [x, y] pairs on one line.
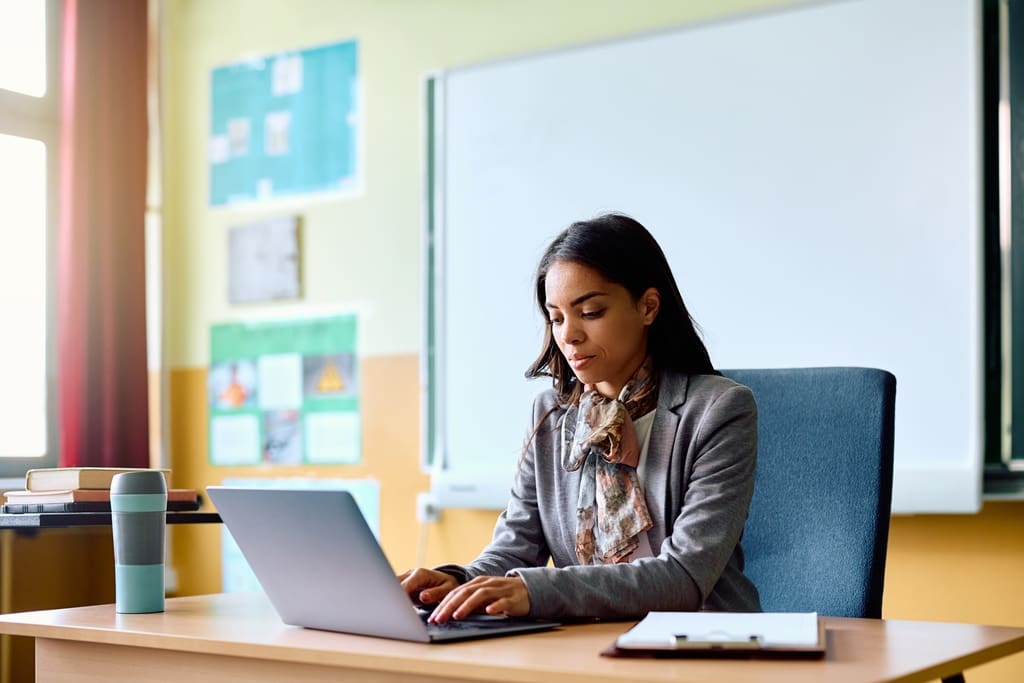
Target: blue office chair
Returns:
[[815, 539]]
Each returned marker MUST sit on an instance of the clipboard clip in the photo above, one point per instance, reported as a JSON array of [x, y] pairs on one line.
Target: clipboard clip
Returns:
[[718, 640]]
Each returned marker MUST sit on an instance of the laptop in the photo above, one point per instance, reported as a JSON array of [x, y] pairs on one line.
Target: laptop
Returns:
[[322, 568]]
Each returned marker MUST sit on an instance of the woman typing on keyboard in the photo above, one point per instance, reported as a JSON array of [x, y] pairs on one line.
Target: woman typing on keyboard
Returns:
[[638, 474]]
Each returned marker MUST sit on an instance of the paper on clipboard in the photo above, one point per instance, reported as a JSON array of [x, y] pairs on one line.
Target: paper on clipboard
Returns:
[[677, 631]]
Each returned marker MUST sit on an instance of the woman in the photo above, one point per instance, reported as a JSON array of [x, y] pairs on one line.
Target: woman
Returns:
[[638, 476]]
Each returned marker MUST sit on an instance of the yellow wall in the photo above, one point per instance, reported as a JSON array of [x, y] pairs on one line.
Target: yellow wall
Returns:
[[363, 254]]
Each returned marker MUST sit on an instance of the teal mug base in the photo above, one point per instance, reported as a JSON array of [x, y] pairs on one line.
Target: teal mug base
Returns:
[[139, 588]]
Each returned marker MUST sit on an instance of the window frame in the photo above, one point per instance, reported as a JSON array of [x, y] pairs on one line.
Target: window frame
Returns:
[[38, 118]]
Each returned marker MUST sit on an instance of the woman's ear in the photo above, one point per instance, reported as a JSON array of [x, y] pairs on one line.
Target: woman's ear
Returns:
[[650, 304]]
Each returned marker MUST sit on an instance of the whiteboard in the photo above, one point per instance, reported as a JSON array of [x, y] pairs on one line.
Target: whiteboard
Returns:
[[813, 175]]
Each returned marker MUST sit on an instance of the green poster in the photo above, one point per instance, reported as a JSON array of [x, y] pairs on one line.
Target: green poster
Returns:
[[284, 392]]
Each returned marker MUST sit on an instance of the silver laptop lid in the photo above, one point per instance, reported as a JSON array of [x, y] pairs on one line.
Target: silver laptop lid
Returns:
[[318, 561]]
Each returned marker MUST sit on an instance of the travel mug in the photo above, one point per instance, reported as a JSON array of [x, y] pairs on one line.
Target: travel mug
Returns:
[[138, 506]]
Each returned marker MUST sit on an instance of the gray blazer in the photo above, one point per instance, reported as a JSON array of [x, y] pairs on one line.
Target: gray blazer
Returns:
[[698, 484]]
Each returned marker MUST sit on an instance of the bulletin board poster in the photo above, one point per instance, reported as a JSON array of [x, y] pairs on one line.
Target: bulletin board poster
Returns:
[[285, 124], [284, 393]]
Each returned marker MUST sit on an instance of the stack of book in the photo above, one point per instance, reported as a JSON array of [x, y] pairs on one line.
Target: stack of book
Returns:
[[80, 489]]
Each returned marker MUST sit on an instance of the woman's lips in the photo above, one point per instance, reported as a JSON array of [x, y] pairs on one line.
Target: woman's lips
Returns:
[[579, 362]]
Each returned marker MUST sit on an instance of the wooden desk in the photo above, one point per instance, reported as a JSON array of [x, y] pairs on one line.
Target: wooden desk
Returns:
[[212, 638], [32, 579]]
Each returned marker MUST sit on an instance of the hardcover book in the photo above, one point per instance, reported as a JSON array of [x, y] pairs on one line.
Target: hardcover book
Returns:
[[64, 478]]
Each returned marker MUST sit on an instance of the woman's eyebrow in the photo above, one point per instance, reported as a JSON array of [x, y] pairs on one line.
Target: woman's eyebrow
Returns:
[[578, 300]]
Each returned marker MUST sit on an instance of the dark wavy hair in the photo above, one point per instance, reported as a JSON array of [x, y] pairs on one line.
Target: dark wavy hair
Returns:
[[624, 252]]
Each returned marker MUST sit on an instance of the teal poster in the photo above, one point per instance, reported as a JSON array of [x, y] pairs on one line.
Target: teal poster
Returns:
[[284, 392], [285, 124]]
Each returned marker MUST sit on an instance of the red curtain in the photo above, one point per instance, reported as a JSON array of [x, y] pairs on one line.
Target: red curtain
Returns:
[[101, 305]]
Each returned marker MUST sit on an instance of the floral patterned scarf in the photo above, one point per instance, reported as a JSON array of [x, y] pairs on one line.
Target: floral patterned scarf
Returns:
[[598, 435]]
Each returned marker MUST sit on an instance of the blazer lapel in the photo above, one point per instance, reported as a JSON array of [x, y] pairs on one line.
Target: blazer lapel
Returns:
[[659, 496]]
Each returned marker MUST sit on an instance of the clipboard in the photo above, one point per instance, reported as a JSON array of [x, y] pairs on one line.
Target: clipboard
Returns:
[[723, 634]]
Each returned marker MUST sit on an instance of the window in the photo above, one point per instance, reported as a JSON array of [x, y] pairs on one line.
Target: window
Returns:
[[29, 124], [23, 295], [23, 47]]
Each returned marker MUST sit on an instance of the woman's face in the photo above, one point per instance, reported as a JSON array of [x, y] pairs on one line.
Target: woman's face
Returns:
[[599, 328]]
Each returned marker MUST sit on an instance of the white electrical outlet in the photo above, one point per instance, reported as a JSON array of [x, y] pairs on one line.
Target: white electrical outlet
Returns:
[[427, 507], [170, 579]]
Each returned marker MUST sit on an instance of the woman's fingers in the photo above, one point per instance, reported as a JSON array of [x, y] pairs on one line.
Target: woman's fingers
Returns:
[[513, 600], [510, 606], [426, 585], [447, 605], [490, 594]]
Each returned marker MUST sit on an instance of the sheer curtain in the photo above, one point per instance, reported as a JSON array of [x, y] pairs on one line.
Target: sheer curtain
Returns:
[[101, 309]]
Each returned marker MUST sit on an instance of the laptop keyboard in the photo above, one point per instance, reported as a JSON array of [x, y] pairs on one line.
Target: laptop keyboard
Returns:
[[473, 623]]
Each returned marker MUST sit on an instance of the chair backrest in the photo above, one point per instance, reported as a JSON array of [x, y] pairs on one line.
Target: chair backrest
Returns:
[[816, 536]]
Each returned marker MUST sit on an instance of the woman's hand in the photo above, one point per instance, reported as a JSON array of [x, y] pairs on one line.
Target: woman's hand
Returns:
[[427, 586], [505, 595]]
